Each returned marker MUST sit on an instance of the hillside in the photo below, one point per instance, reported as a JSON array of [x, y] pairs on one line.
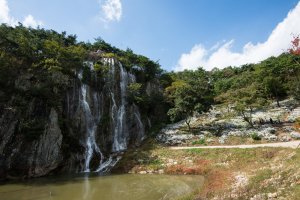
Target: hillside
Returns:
[[70, 107]]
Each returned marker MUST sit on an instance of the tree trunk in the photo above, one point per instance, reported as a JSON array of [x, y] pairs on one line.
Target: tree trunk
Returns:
[[188, 121], [277, 100], [248, 119]]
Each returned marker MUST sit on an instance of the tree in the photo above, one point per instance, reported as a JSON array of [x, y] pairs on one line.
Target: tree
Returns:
[[184, 105], [295, 52], [274, 88], [245, 101], [190, 93], [295, 49]]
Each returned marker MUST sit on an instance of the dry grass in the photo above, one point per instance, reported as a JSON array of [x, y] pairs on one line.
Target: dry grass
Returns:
[[278, 168]]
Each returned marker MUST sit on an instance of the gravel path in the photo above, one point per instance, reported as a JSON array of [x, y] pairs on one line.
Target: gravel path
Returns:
[[292, 144]]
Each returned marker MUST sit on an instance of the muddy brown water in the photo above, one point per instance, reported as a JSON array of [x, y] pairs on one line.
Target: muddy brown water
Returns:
[[114, 187]]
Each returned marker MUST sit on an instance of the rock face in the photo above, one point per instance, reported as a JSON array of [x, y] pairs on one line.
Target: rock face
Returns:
[[21, 158], [47, 148], [85, 129]]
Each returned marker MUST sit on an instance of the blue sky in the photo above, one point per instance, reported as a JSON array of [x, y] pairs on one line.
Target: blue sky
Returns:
[[180, 34]]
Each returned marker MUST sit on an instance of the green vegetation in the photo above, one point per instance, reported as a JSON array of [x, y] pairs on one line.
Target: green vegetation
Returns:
[[38, 67], [245, 89], [255, 136], [201, 142], [53, 58], [258, 179], [190, 92], [39, 64]]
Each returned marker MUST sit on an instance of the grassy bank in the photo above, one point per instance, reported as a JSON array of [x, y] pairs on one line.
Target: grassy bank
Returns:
[[261, 173]]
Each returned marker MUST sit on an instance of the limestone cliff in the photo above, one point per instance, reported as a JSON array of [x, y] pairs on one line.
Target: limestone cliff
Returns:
[[72, 123]]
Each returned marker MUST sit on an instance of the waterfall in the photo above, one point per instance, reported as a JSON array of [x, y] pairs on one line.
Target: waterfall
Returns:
[[120, 78], [116, 87], [91, 121], [110, 162], [141, 131], [119, 116], [119, 139]]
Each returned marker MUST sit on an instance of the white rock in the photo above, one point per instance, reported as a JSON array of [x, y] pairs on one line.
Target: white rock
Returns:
[[222, 139], [295, 135], [294, 114], [201, 137], [209, 140], [285, 138], [206, 133], [272, 195], [271, 137]]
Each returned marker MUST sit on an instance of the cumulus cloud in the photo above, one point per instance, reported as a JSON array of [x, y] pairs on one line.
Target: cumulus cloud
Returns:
[[4, 14], [221, 55], [5, 17], [29, 21], [112, 10]]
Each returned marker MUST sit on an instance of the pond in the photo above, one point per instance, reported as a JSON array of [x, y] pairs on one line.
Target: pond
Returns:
[[113, 187]]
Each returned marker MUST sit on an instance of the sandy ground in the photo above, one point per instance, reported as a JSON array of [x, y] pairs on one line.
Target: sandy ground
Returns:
[[292, 144]]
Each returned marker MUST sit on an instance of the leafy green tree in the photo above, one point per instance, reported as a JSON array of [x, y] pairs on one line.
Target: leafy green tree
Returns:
[[135, 93], [190, 93], [246, 100], [274, 88]]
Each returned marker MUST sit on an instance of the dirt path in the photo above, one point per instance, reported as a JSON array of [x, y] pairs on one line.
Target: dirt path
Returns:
[[292, 144]]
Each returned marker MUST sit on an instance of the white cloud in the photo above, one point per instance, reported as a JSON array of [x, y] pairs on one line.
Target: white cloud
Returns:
[[112, 10], [4, 14], [29, 21], [5, 17], [222, 56]]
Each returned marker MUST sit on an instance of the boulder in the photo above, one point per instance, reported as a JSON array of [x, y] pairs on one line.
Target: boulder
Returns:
[[295, 135]]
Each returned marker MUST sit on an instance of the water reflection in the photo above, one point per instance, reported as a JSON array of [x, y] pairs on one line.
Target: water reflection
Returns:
[[86, 188], [125, 187]]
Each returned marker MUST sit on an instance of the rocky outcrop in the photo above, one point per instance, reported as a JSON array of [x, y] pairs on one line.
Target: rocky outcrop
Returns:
[[24, 158], [176, 134], [58, 128], [271, 124], [47, 148]]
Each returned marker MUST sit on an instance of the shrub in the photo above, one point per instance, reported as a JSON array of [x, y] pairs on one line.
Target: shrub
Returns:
[[255, 136], [201, 141]]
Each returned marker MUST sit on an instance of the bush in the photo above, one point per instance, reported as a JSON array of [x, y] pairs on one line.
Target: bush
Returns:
[[255, 136], [201, 141]]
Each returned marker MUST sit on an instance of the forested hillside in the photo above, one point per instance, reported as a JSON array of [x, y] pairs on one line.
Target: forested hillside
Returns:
[[73, 106], [247, 87]]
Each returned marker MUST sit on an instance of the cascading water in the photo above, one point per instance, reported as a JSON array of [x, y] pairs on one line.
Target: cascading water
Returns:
[[120, 78], [91, 121], [121, 131], [141, 131], [117, 89]]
